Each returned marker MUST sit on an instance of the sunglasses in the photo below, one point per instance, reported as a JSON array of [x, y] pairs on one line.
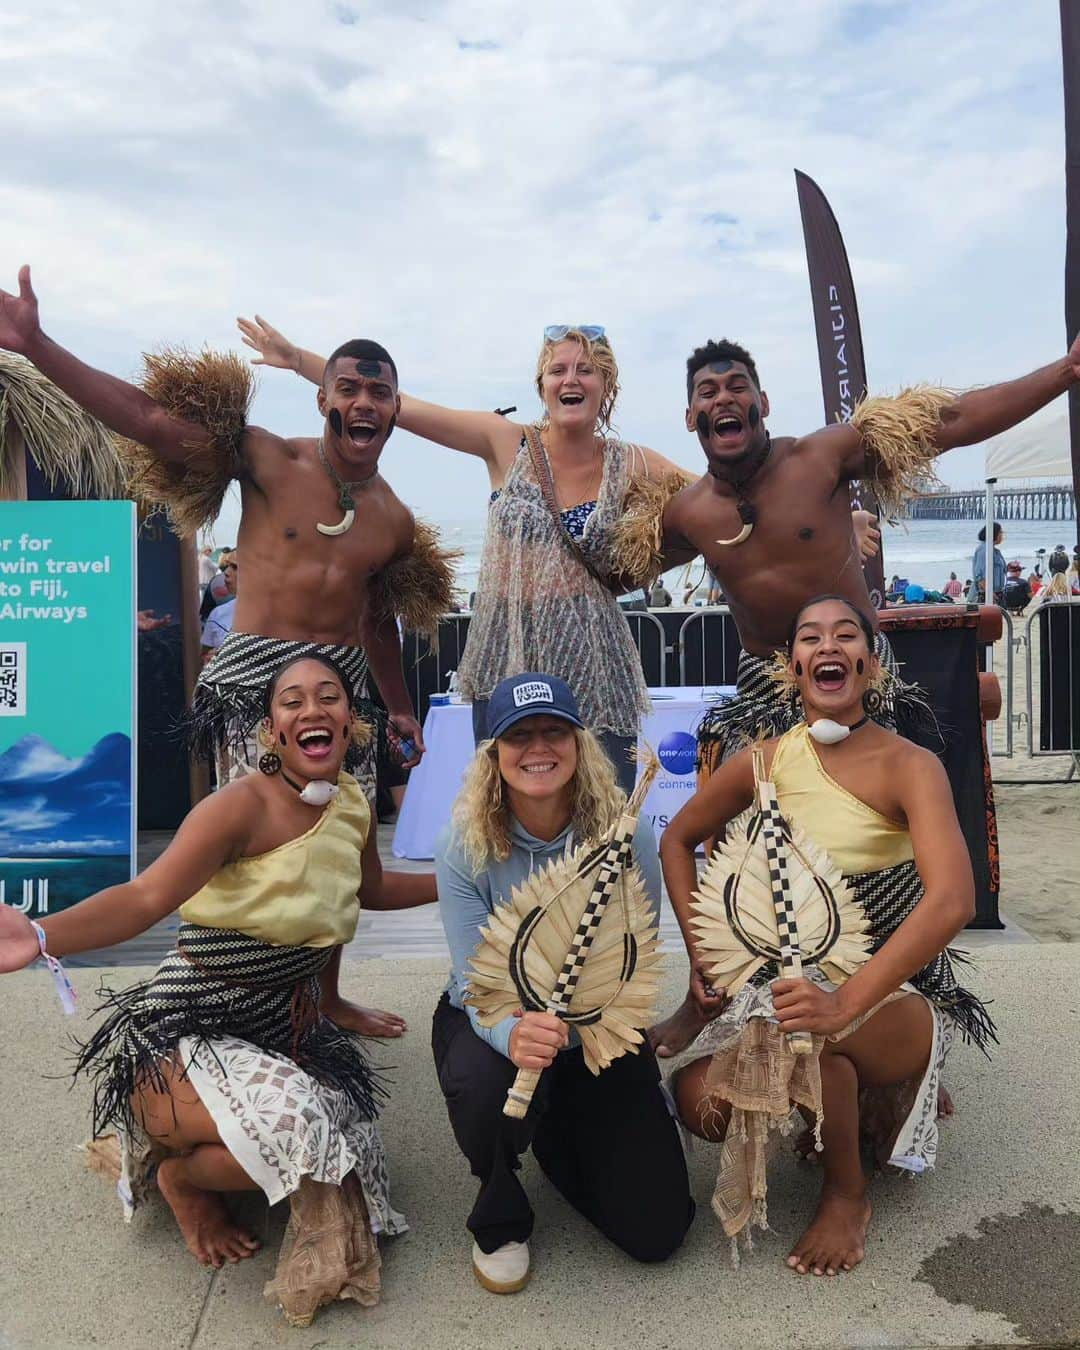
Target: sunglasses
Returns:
[[555, 332]]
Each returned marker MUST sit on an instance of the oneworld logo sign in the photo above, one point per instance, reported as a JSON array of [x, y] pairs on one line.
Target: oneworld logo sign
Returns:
[[677, 752]]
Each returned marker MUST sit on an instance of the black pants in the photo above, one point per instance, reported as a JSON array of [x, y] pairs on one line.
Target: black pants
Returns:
[[606, 1141], [617, 748]]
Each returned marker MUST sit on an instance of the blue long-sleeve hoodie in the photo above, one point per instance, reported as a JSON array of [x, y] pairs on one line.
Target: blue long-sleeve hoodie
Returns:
[[466, 900]]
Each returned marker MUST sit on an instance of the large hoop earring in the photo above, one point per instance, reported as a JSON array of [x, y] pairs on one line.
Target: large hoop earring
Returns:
[[270, 761], [873, 700]]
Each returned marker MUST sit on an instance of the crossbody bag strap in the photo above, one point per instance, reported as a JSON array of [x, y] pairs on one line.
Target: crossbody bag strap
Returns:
[[542, 473]]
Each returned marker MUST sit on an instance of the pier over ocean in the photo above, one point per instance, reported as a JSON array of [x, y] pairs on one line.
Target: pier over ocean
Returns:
[[1055, 501]]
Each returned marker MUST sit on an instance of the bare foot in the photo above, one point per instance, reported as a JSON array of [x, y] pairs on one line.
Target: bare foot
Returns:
[[208, 1232], [675, 1033], [805, 1149], [836, 1238], [364, 1021], [945, 1105]]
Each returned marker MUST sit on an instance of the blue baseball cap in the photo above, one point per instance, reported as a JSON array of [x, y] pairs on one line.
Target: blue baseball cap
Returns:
[[530, 695]]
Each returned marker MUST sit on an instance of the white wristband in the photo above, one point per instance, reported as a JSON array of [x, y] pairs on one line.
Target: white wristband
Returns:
[[65, 990]]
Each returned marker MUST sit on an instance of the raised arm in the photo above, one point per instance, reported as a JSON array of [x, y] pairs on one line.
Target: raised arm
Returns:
[[896, 439], [210, 835], [982, 413], [121, 406], [484, 434]]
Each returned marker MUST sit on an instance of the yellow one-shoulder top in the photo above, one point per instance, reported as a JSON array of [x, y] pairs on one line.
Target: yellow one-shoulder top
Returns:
[[300, 894], [856, 837]]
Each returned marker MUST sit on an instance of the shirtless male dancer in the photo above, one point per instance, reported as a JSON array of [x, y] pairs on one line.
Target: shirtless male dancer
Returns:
[[772, 519], [310, 581]]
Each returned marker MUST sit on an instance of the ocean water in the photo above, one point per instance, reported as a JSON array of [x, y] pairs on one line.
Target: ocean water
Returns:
[[922, 551], [56, 883]]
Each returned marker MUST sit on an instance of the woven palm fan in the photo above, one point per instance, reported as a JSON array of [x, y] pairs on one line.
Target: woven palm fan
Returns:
[[578, 939], [769, 894]]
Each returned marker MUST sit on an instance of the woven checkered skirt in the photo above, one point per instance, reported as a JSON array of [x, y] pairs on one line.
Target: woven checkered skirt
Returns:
[[220, 984]]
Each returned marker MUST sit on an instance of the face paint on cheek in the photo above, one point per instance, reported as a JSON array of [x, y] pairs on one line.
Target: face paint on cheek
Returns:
[[334, 418], [702, 424], [753, 416], [281, 738], [798, 668], [860, 666]]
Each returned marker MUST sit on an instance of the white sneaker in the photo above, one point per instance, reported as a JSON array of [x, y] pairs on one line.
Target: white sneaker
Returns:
[[504, 1271]]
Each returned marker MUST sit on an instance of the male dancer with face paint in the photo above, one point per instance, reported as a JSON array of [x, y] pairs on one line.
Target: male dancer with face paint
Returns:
[[772, 518], [311, 582]]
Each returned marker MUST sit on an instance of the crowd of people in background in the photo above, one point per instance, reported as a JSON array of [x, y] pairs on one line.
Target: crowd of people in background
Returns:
[[1053, 577]]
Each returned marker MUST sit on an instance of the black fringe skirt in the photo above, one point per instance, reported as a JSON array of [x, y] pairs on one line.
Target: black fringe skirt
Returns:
[[221, 983]]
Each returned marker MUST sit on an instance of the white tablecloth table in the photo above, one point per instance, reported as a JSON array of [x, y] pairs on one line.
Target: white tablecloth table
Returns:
[[448, 735]]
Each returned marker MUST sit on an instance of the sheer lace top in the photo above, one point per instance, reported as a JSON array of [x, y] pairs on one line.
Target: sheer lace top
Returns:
[[538, 608]]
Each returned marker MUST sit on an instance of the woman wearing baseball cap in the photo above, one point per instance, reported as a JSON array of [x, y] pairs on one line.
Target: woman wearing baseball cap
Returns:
[[539, 785]]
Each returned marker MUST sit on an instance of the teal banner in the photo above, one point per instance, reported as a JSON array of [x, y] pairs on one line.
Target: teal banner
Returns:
[[67, 701]]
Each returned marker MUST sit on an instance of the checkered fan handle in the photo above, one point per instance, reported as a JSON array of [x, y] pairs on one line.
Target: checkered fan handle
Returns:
[[607, 878], [787, 932]]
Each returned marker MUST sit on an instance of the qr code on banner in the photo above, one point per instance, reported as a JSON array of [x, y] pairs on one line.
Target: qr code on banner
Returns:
[[13, 679]]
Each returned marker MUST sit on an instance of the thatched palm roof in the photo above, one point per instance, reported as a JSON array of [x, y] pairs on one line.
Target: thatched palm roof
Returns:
[[66, 442]]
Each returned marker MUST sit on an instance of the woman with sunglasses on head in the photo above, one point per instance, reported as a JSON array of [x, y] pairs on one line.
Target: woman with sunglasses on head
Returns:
[[546, 597]]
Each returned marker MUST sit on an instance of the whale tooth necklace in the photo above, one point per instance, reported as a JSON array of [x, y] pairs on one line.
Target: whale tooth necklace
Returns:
[[346, 490], [746, 509]]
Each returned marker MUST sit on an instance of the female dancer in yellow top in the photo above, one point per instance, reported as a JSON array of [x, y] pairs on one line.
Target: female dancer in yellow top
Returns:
[[882, 810], [223, 1064]]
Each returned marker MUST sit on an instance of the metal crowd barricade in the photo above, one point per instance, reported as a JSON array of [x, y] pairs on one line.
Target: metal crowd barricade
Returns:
[[651, 642], [427, 668], [713, 620], [1058, 631], [1007, 697]]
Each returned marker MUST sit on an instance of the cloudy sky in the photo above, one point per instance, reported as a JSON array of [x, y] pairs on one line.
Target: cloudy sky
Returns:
[[450, 177]]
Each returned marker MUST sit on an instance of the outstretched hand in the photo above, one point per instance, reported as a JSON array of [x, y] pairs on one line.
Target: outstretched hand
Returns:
[[18, 941], [274, 348], [19, 322]]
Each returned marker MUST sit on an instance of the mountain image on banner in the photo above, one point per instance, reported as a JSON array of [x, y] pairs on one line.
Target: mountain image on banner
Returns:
[[55, 807]]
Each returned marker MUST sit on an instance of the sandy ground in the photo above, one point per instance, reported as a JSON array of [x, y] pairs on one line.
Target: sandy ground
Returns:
[[1037, 820]]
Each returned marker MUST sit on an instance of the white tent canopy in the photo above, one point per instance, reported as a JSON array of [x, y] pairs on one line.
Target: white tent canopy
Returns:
[[1032, 450]]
